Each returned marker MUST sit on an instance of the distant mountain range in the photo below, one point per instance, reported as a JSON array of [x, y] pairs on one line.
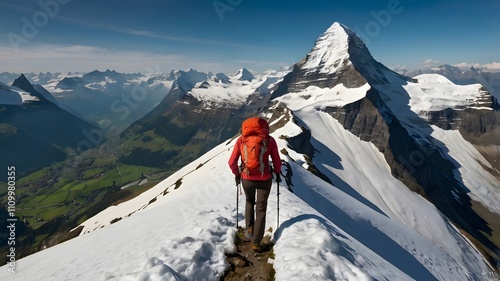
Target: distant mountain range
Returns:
[[115, 100], [109, 99], [169, 102], [200, 111]]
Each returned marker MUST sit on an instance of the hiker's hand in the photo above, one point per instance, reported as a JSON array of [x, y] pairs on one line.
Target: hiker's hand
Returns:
[[278, 177], [237, 179]]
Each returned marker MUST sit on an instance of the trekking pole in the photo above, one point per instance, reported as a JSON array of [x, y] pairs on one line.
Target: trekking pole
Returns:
[[278, 199], [237, 204]]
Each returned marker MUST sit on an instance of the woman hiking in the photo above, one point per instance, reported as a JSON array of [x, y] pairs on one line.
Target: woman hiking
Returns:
[[253, 148]]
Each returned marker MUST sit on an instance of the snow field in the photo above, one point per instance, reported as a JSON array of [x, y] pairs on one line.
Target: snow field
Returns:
[[433, 92], [316, 97]]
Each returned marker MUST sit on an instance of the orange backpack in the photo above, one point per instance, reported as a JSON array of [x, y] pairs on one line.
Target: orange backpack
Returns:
[[254, 141]]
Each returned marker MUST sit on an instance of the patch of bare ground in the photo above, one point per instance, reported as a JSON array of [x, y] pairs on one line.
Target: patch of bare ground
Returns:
[[246, 264]]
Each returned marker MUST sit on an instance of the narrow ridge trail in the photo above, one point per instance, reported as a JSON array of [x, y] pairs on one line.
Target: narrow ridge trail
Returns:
[[246, 264]]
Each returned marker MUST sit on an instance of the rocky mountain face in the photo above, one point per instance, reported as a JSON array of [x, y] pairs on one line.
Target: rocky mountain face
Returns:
[[386, 115]]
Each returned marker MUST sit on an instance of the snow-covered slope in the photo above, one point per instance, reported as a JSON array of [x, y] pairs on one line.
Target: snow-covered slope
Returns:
[[8, 96], [364, 227], [14, 96], [465, 76], [482, 186]]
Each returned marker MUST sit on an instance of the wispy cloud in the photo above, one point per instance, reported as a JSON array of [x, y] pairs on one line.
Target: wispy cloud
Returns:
[[182, 39], [22, 8], [399, 68], [431, 63], [155, 35], [428, 63], [65, 58]]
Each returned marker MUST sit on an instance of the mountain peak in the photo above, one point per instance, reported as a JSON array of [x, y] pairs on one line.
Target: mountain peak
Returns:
[[219, 76], [447, 68], [332, 51], [244, 75], [336, 27], [23, 83], [339, 56]]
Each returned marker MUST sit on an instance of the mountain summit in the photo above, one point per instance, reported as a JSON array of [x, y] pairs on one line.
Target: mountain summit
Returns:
[[339, 56], [244, 75], [22, 83], [332, 51]]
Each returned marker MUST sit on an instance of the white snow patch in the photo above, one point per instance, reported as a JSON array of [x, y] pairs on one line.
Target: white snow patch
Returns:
[[314, 97], [433, 92]]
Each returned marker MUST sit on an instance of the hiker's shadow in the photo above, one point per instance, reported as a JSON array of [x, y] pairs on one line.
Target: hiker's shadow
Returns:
[[326, 157]]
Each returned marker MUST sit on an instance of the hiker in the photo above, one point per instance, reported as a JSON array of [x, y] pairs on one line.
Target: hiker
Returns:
[[253, 148]]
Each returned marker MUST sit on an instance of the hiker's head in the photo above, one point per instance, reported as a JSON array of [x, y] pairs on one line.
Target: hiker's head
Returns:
[[255, 124]]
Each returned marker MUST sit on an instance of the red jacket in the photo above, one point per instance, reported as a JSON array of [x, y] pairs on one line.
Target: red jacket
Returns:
[[272, 150]]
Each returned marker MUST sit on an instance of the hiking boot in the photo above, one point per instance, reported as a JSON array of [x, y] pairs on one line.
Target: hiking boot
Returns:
[[257, 247], [249, 233]]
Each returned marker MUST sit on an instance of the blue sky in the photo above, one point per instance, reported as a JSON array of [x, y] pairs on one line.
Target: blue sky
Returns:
[[224, 35]]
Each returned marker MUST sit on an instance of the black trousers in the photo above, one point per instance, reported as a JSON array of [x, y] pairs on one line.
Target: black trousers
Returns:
[[257, 193]]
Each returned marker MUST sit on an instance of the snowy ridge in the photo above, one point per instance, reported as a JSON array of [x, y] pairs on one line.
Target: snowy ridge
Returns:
[[101, 85], [364, 227]]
